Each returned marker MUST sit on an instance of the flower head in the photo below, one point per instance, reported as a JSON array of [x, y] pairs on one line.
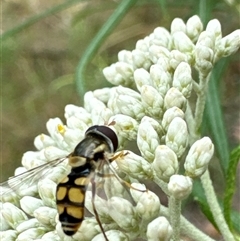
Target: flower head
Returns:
[[150, 107]]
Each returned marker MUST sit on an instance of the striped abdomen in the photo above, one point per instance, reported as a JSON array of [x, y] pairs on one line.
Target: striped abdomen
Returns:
[[70, 198]]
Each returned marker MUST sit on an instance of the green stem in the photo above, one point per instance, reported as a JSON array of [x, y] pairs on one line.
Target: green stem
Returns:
[[187, 228], [106, 29], [215, 208], [201, 100], [175, 214]]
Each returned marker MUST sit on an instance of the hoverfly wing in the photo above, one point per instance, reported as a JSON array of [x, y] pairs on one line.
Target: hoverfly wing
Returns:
[[26, 182]]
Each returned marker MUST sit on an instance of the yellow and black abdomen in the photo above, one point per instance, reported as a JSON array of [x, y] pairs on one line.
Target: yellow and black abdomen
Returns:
[[70, 198]]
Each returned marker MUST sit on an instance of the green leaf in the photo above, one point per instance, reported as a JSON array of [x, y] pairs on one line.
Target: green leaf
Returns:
[[199, 196], [231, 184], [213, 117], [103, 33]]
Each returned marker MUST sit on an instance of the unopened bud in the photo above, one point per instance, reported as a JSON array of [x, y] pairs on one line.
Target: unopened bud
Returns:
[[182, 79], [177, 136], [194, 27], [123, 213], [180, 186], [198, 157], [134, 165], [174, 98], [152, 101], [142, 77], [170, 114], [165, 163], [147, 140], [178, 25], [159, 230]]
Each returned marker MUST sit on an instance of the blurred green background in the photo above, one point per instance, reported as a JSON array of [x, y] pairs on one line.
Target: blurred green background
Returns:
[[43, 42], [39, 59]]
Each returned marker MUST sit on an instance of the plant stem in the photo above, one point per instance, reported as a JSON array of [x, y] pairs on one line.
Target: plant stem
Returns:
[[175, 214], [187, 228], [215, 208], [201, 100]]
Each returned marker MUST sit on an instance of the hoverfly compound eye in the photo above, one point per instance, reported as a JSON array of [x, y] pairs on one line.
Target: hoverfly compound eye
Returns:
[[106, 132]]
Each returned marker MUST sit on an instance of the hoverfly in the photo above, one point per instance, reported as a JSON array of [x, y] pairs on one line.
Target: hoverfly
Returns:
[[86, 161]]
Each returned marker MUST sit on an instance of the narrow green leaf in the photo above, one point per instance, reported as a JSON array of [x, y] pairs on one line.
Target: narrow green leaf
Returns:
[[103, 33], [213, 118], [199, 196], [231, 184]]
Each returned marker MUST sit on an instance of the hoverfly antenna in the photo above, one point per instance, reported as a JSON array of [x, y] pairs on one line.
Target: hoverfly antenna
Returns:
[[106, 132]]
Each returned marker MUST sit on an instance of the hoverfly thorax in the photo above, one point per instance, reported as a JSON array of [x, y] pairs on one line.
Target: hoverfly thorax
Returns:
[[89, 154]]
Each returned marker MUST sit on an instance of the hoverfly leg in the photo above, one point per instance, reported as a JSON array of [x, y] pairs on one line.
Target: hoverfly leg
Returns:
[[95, 210]]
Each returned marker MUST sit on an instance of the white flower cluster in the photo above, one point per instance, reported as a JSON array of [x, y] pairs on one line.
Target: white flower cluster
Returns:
[[149, 105]]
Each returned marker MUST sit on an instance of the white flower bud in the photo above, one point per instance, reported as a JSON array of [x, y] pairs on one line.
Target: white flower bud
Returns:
[[33, 159], [214, 28], [8, 235], [134, 165], [180, 186], [148, 203], [112, 235], [49, 236], [165, 163], [161, 37], [170, 114], [13, 215], [178, 25], [53, 153], [91, 102], [4, 224], [156, 52], [42, 141], [198, 157], [164, 63], [142, 77], [125, 56], [194, 27], [183, 43], [31, 223], [147, 140], [176, 57], [204, 59], [123, 213], [142, 44], [102, 94], [152, 101], [47, 192], [159, 230], [157, 127], [206, 39], [77, 117], [141, 59], [31, 234], [177, 136], [46, 215], [173, 98], [126, 101], [125, 126], [182, 79], [161, 79], [119, 73], [29, 204], [228, 45]]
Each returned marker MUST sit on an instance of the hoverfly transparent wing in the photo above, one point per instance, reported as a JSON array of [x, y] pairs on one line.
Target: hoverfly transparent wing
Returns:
[[26, 182]]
